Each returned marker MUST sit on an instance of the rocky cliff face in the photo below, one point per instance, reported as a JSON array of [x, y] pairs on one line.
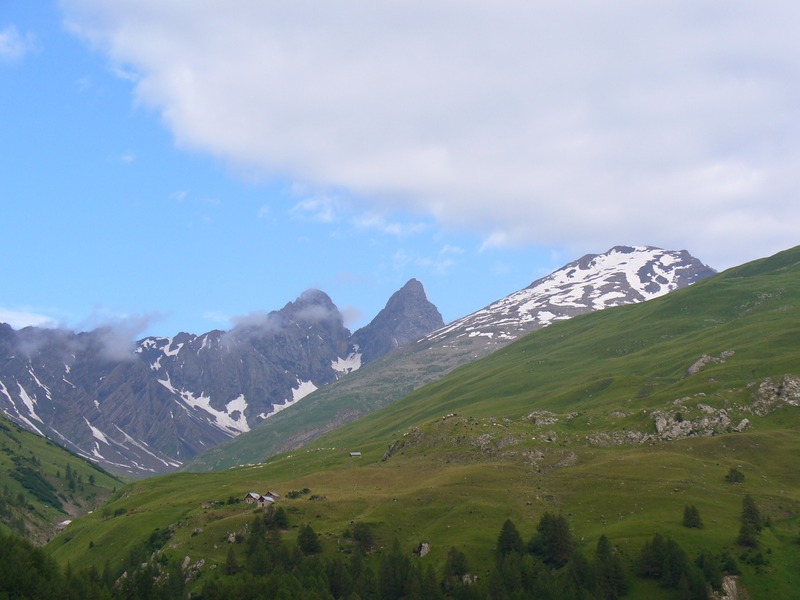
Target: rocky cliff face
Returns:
[[146, 409], [407, 317]]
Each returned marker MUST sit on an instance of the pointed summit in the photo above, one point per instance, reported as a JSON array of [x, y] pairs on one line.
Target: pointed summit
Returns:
[[407, 317]]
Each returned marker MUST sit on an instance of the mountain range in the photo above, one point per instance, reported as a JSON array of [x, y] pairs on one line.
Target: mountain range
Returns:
[[148, 409], [618, 421], [155, 407]]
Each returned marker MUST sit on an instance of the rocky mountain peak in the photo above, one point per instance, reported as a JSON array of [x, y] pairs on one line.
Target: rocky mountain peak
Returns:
[[407, 317], [147, 408]]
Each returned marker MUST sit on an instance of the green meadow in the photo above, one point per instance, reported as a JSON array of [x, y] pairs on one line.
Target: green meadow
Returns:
[[43, 484], [563, 421]]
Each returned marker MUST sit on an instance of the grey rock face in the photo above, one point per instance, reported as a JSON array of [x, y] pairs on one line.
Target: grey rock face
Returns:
[[149, 407], [407, 317]]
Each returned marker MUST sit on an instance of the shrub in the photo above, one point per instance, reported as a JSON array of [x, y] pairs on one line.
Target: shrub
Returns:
[[691, 517], [734, 476]]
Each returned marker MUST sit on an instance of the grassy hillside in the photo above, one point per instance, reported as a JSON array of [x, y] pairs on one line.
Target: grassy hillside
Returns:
[[42, 484], [596, 418]]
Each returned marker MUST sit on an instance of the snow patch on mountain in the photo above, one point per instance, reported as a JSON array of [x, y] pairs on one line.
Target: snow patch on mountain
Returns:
[[170, 351], [623, 275], [231, 420], [98, 435], [29, 402], [343, 366], [303, 389]]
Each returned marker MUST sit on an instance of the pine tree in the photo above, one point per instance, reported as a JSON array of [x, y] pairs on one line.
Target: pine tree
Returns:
[[456, 564], [711, 571], [751, 523], [307, 541], [651, 559], [611, 578], [748, 536], [583, 574], [363, 536], [734, 476], [280, 520], [553, 540], [231, 564], [395, 576], [751, 514], [510, 540], [691, 517]]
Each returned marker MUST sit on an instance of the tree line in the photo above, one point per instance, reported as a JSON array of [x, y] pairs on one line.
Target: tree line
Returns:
[[262, 564]]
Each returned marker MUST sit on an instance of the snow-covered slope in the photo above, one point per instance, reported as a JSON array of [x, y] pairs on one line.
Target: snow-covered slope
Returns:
[[623, 275]]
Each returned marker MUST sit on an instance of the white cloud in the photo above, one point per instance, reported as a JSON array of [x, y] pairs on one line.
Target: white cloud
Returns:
[[25, 318], [396, 228], [13, 46], [577, 123], [217, 316], [439, 263], [322, 209]]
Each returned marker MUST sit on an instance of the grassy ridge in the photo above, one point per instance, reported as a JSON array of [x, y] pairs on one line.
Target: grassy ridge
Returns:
[[43, 484], [453, 481]]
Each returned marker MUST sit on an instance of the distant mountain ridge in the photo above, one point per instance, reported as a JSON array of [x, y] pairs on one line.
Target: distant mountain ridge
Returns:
[[622, 275], [149, 410]]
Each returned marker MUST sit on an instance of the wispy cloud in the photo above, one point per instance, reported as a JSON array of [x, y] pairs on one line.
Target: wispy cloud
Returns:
[[439, 263], [111, 335], [14, 46], [395, 228], [322, 209], [217, 317], [19, 318], [117, 332]]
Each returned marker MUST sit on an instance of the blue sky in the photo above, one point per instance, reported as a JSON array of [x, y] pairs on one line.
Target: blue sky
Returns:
[[174, 166]]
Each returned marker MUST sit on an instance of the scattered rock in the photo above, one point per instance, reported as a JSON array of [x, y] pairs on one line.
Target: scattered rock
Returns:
[[705, 359], [542, 417], [732, 589], [773, 392]]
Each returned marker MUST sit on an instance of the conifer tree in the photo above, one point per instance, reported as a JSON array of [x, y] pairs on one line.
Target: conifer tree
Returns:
[[691, 517], [751, 523], [231, 564], [751, 514], [553, 540], [611, 577], [510, 540], [308, 541]]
